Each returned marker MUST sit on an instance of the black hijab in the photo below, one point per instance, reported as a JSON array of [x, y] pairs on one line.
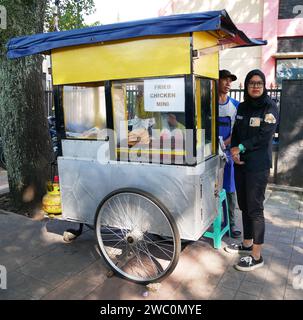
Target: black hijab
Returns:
[[261, 101]]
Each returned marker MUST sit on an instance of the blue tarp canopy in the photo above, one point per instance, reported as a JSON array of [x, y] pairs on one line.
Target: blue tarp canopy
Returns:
[[167, 25]]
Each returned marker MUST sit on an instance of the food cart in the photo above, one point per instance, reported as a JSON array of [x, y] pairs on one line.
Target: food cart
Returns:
[[136, 107]]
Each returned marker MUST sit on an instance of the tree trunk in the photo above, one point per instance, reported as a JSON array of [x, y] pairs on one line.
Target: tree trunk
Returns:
[[23, 122]]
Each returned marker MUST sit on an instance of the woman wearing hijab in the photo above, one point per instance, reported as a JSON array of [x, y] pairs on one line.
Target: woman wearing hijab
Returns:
[[251, 144]]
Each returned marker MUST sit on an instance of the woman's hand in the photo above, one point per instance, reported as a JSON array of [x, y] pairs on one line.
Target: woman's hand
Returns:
[[235, 153]]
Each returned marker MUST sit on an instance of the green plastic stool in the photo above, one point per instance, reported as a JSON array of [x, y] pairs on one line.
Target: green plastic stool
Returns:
[[219, 228]]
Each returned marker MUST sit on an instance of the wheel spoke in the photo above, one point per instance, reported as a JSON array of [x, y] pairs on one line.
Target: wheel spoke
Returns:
[[116, 234], [139, 259], [162, 249], [151, 255], [148, 255], [128, 239]]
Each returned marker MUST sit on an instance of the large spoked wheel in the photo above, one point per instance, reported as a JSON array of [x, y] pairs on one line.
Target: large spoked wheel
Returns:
[[137, 236]]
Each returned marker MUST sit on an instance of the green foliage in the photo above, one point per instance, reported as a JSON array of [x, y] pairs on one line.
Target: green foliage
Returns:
[[71, 14]]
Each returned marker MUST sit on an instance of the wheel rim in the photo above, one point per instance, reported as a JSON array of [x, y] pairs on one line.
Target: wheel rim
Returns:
[[128, 226]]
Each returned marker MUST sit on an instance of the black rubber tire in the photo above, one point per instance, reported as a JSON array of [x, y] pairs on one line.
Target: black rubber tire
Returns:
[[170, 219]]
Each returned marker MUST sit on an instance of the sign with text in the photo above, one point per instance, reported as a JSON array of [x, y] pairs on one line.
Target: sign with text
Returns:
[[164, 95]]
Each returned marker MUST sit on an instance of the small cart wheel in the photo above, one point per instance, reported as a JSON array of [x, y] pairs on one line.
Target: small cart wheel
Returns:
[[137, 236], [71, 234], [68, 236]]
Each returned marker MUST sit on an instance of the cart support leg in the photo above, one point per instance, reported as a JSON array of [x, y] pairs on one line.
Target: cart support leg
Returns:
[[72, 234]]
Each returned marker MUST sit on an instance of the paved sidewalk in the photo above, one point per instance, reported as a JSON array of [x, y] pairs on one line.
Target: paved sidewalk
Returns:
[[41, 266]]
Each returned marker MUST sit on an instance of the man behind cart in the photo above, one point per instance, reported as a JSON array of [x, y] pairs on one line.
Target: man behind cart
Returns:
[[227, 114]]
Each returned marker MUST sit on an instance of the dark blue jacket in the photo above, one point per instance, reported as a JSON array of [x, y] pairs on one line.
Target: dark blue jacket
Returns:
[[254, 128]]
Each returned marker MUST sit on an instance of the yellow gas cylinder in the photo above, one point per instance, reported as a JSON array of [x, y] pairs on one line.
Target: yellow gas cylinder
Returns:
[[51, 202]]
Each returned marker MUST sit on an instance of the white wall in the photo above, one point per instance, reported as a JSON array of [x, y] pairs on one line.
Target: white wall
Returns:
[[239, 61], [241, 11]]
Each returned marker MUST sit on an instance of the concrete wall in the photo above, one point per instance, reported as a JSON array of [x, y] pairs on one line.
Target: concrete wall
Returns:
[[271, 20], [248, 11], [239, 61]]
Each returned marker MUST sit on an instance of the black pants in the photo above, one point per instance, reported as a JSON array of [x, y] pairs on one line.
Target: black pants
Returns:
[[250, 188], [231, 201]]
